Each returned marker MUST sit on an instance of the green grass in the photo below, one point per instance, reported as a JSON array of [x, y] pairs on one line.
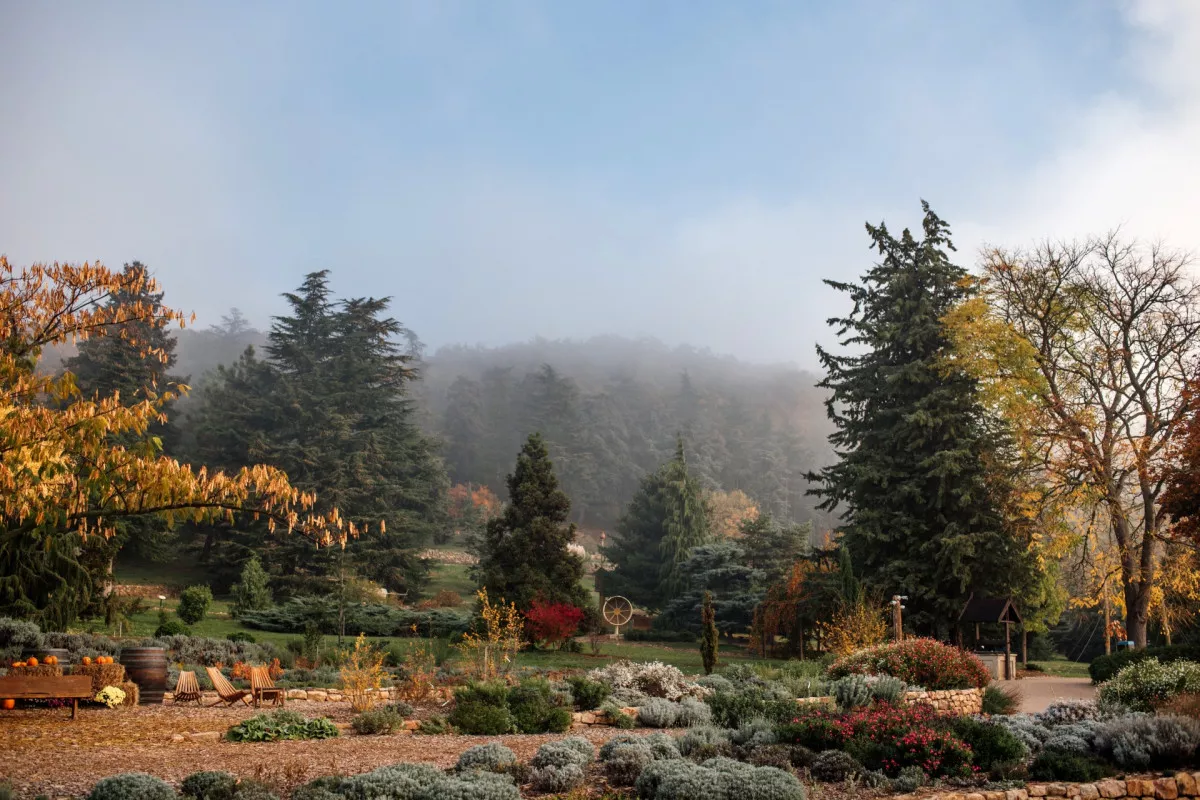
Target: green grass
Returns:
[[450, 578], [684, 656], [219, 623], [177, 575], [1062, 668]]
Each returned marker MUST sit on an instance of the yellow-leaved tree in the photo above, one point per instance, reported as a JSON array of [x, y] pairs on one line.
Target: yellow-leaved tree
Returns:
[[71, 466]]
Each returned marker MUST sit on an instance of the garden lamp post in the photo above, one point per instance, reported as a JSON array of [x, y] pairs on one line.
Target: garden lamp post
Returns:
[[161, 599], [898, 615]]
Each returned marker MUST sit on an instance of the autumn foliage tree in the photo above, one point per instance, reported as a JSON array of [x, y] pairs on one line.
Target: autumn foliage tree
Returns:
[[1181, 498], [1112, 328], [552, 624], [71, 466]]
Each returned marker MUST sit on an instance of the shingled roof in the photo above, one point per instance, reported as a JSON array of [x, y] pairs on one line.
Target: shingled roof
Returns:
[[989, 609]]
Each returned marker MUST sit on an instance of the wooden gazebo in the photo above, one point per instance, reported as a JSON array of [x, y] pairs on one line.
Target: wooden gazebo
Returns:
[[992, 610]]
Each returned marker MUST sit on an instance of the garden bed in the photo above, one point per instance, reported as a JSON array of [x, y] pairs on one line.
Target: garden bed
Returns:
[[47, 754]]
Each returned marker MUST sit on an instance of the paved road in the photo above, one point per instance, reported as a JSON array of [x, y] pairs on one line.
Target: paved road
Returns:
[[1038, 693]]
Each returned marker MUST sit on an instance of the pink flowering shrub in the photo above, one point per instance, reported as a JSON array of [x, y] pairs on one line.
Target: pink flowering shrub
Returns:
[[917, 662], [884, 737]]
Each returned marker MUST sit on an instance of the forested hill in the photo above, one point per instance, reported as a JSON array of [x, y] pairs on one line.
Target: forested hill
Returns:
[[611, 408]]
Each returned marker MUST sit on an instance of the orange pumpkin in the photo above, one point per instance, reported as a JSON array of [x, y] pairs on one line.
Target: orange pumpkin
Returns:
[[18, 663], [108, 659], [52, 660], [9, 704], [87, 660], [33, 662]]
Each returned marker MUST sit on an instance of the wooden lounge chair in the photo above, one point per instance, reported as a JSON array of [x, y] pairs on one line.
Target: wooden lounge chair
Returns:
[[225, 691], [187, 689], [263, 688]]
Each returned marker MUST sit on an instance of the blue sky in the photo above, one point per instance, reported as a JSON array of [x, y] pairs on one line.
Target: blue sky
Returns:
[[684, 170]]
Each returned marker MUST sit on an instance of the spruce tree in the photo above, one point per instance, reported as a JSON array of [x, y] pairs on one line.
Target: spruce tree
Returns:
[[252, 592], [685, 524], [525, 555], [918, 515], [664, 521]]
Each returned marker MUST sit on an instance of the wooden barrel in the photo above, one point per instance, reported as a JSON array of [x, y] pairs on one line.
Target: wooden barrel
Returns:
[[147, 667], [63, 656]]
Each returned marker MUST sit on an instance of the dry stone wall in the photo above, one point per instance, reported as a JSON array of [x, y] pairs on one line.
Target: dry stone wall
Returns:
[[1168, 787]]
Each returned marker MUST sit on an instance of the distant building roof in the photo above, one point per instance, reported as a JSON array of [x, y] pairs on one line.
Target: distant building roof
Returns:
[[989, 609]]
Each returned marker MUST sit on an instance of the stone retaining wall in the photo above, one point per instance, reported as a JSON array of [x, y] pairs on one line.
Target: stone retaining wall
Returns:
[[951, 701], [386, 695], [1182, 784]]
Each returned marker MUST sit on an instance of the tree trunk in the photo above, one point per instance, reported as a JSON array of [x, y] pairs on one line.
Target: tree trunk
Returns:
[[1137, 573], [1024, 647], [1137, 618]]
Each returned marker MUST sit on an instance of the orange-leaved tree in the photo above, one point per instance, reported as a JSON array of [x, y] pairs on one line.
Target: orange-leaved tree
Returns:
[[71, 466]]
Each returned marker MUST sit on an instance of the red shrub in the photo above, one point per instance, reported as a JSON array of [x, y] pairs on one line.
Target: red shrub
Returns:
[[884, 737], [552, 623], [920, 662]]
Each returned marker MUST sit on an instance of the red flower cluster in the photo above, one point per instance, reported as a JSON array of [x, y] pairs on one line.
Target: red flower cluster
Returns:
[[921, 662], [885, 737], [552, 623], [935, 751]]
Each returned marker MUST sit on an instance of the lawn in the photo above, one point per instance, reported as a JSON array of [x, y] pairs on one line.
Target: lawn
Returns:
[[1062, 668], [219, 623]]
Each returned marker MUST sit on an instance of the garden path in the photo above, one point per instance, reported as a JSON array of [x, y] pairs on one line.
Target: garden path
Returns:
[[1038, 693]]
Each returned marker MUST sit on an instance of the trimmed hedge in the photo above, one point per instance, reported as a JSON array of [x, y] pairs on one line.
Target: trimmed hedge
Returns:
[[1105, 667]]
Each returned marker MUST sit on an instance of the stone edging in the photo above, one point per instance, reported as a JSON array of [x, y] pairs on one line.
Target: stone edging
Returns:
[[1182, 784]]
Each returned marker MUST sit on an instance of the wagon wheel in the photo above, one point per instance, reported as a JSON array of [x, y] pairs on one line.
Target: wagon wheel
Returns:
[[617, 611]]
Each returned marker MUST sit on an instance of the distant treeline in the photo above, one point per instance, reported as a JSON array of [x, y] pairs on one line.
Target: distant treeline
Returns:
[[610, 409]]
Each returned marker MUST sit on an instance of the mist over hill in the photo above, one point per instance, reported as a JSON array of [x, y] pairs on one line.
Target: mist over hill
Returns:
[[610, 407]]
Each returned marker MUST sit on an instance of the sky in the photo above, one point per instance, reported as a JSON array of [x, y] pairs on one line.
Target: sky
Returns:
[[683, 169]]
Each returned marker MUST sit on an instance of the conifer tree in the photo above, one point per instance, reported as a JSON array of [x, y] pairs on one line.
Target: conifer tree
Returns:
[[919, 516], [331, 406], [252, 592], [525, 555], [685, 523], [664, 521]]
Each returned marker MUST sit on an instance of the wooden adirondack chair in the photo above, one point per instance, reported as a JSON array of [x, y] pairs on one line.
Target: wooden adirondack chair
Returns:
[[187, 689], [263, 688], [225, 691]]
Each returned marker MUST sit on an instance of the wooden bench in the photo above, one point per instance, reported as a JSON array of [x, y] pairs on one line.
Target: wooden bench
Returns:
[[66, 687]]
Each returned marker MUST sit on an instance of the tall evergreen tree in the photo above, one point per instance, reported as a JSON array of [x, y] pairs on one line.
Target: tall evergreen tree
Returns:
[[525, 555], [331, 407], [685, 524], [918, 516], [665, 519]]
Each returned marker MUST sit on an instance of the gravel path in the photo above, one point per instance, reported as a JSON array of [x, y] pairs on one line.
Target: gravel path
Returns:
[[43, 752], [1038, 693]]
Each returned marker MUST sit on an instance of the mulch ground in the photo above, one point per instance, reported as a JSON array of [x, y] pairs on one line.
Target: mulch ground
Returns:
[[42, 751]]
